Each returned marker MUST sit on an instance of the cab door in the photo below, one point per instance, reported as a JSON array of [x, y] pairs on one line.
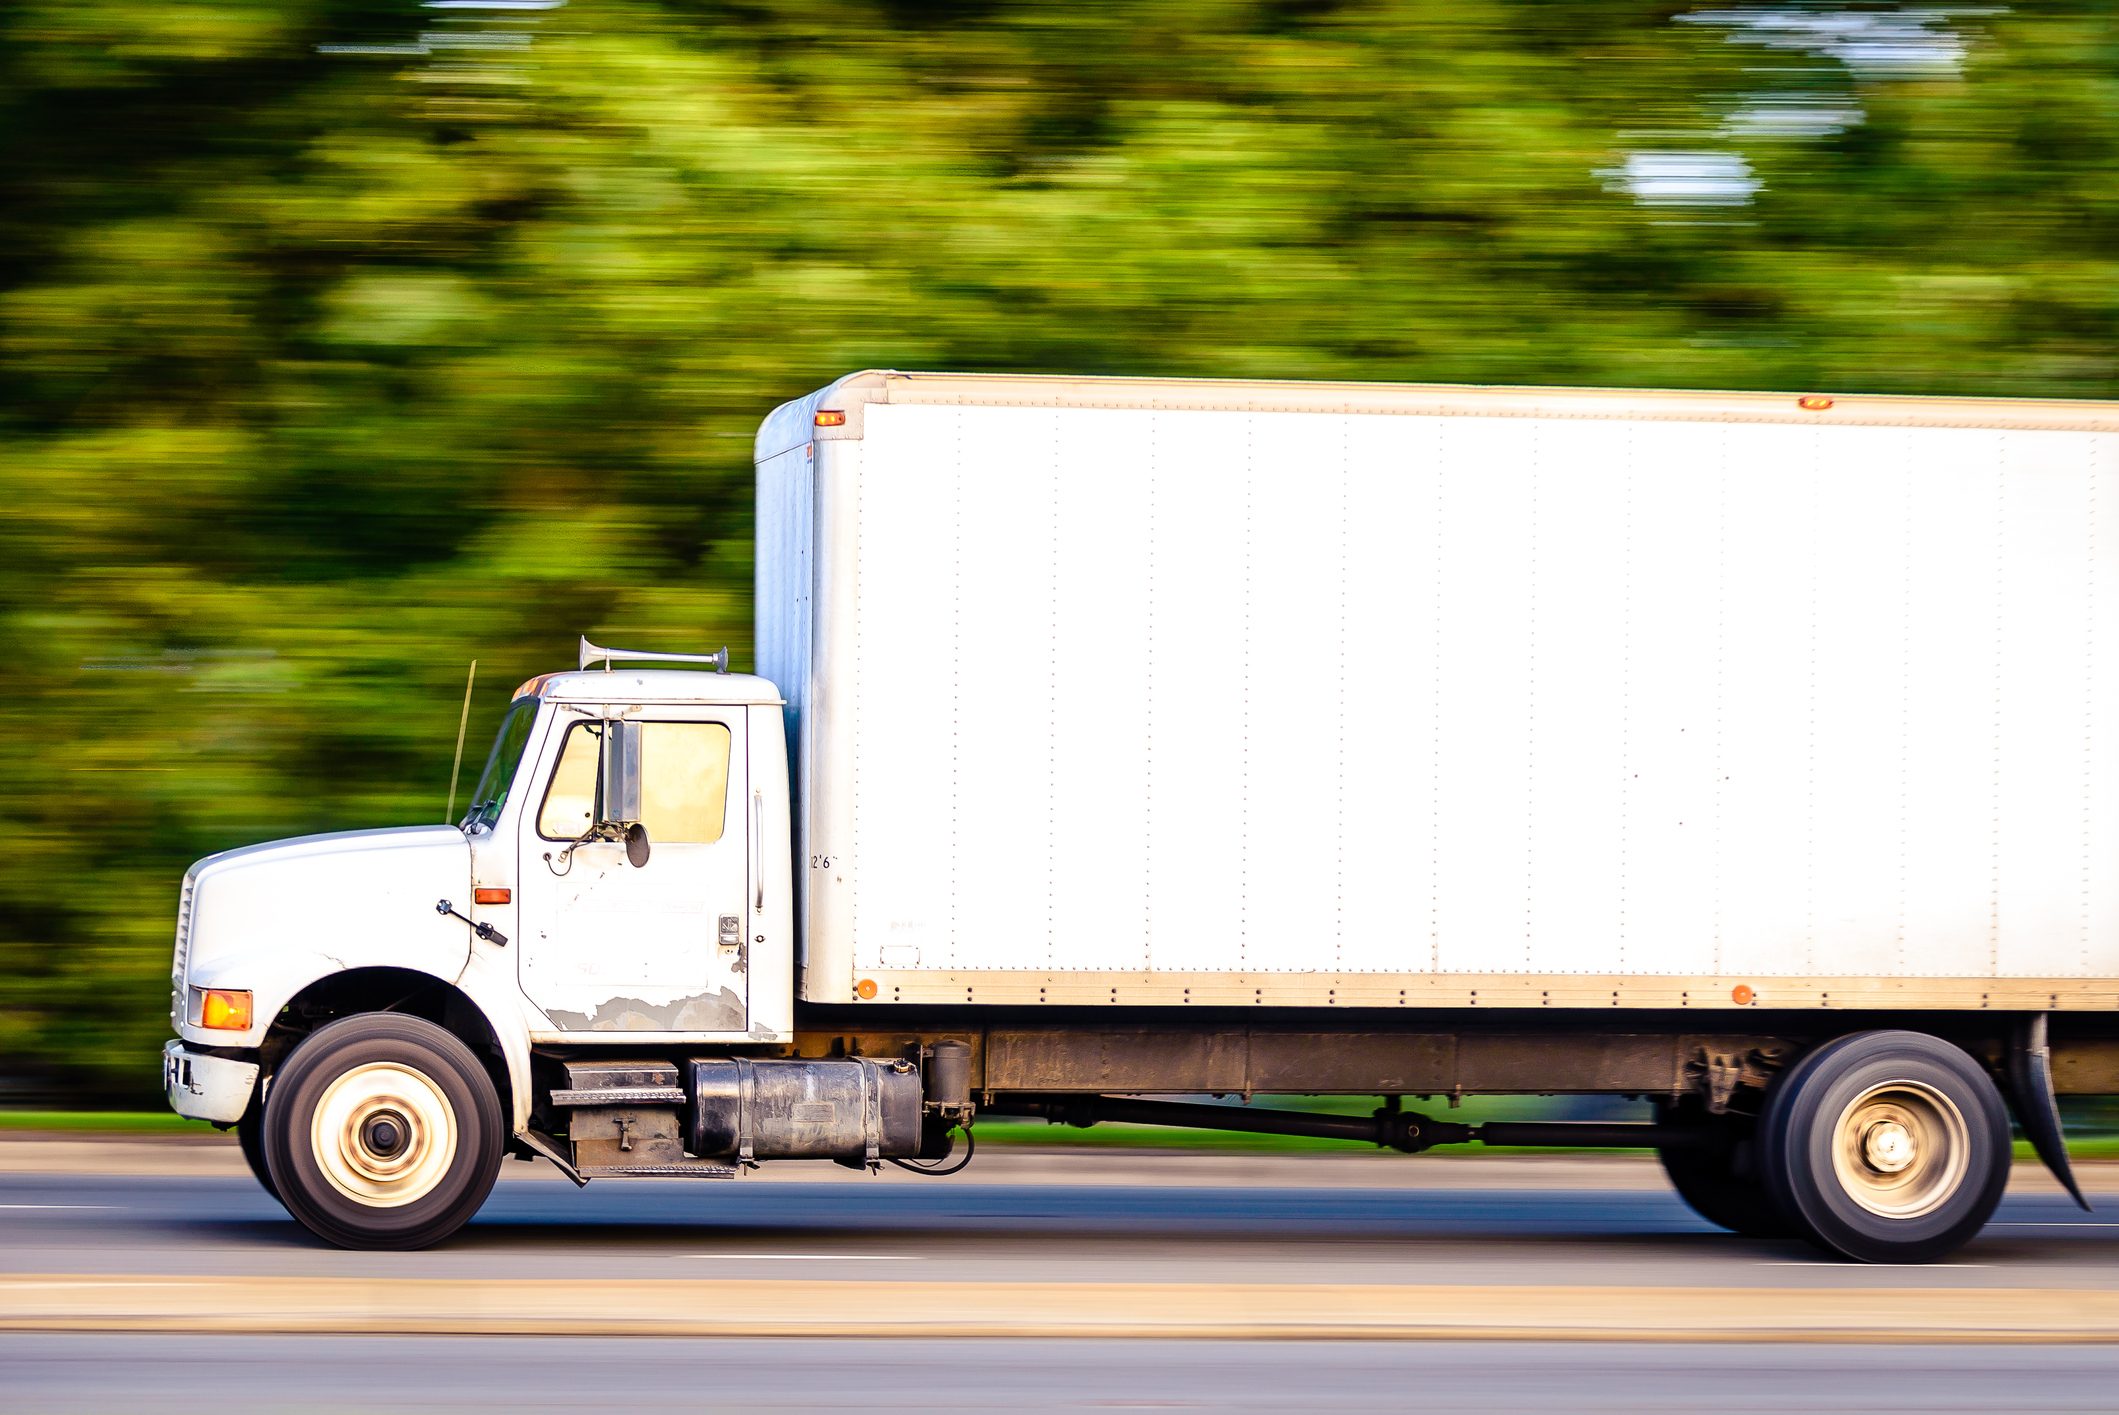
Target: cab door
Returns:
[[610, 948]]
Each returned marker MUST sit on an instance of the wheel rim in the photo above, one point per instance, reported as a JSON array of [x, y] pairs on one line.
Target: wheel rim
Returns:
[[1900, 1150], [384, 1135]]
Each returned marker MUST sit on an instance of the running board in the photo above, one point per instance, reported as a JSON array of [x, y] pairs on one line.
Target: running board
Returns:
[[620, 1095], [657, 1171]]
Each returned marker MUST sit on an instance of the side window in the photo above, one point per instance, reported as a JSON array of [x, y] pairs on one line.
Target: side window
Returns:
[[570, 801], [683, 781]]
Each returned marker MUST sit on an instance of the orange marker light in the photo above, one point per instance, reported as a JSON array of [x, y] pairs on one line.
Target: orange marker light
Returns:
[[1741, 995], [831, 420], [491, 896], [1813, 404], [224, 1009], [866, 988]]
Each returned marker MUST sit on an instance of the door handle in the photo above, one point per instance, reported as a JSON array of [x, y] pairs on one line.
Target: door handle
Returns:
[[757, 854]]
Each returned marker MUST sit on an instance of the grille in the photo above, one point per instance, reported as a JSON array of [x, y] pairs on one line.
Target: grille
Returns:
[[182, 956]]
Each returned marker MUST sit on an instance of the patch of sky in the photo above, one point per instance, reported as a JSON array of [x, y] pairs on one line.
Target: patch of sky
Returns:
[[1793, 115], [1863, 45], [1872, 44], [1704, 178]]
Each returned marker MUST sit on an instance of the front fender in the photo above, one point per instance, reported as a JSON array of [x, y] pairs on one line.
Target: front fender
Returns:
[[273, 919]]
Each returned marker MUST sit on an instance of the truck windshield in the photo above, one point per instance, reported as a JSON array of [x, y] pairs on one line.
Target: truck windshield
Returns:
[[493, 782]]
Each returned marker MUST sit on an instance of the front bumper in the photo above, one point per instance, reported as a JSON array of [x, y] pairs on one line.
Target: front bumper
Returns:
[[202, 1087]]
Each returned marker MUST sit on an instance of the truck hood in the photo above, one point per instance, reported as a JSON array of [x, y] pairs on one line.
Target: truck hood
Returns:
[[272, 918]]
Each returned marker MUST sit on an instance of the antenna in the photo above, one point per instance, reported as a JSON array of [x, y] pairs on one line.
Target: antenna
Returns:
[[456, 767], [590, 653]]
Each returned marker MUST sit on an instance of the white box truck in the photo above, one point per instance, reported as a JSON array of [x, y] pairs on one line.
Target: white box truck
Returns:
[[1753, 754]]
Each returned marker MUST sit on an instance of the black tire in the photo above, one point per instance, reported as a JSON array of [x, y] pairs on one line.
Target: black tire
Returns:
[[381, 1079], [1708, 1181], [1837, 1120], [250, 1137]]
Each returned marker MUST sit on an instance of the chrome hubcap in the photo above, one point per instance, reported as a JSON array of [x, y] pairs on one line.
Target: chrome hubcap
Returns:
[[1900, 1150], [1887, 1147], [384, 1135]]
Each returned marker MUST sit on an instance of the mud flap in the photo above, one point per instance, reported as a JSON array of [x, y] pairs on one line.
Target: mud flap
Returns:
[[2031, 1094]]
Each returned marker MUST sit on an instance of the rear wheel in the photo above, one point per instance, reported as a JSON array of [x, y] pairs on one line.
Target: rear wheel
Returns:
[[383, 1131], [1887, 1147], [1712, 1183]]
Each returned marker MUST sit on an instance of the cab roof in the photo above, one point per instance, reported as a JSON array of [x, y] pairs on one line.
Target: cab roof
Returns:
[[651, 685]]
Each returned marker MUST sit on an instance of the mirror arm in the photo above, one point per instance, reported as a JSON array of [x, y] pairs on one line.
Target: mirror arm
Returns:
[[632, 835], [568, 853]]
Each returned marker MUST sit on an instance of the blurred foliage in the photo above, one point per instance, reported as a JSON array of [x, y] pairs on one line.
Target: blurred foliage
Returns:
[[343, 343]]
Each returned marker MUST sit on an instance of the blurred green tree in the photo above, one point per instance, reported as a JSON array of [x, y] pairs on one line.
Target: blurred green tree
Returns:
[[345, 342]]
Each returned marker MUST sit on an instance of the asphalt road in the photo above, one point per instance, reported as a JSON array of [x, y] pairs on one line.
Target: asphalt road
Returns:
[[98, 1375], [538, 1228]]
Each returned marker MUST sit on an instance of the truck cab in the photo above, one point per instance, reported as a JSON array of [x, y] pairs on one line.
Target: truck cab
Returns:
[[614, 896], [690, 944]]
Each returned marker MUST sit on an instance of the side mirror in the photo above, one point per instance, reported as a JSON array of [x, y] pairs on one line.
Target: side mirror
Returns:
[[620, 809]]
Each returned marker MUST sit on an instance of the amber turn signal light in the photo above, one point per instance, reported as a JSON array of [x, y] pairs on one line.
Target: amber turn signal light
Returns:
[[224, 1009], [1741, 994], [490, 896], [866, 988], [831, 420], [1813, 404]]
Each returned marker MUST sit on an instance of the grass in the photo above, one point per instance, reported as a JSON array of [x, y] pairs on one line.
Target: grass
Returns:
[[104, 1122], [1005, 1133], [2097, 1147]]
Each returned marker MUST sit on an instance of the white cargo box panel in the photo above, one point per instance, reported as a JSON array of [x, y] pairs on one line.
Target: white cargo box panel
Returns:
[[1164, 693]]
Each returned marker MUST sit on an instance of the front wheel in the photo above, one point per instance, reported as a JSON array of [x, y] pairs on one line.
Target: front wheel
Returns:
[[383, 1132], [1887, 1147], [250, 1136]]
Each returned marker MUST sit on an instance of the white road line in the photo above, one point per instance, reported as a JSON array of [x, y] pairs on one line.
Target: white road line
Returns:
[[812, 1257], [47, 1284], [1856, 1267]]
